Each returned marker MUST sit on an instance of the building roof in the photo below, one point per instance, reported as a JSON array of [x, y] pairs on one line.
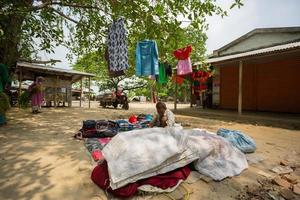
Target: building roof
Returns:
[[277, 48], [46, 69], [292, 30]]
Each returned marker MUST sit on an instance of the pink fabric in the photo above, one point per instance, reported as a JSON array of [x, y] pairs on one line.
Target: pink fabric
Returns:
[[184, 67], [104, 141], [97, 155], [36, 98]]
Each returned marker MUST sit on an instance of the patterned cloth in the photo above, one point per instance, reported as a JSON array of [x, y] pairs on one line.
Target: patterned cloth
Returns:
[[146, 58], [124, 125], [117, 46]]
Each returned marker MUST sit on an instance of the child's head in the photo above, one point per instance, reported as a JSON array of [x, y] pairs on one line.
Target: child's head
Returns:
[[161, 108]]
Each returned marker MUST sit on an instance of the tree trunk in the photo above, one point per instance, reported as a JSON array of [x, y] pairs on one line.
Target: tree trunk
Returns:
[[11, 26]]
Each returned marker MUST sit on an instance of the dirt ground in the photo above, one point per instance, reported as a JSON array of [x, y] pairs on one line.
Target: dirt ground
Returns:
[[39, 159]]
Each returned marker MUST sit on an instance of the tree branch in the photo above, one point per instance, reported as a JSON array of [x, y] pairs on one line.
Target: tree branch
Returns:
[[65, 16], [73, 5], [133, 88]]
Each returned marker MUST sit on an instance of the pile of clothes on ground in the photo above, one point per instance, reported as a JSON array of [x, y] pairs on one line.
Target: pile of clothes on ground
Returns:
[[136, 158]]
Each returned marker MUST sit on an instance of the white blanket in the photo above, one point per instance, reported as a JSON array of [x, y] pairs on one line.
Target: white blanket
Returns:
[[139, 154]]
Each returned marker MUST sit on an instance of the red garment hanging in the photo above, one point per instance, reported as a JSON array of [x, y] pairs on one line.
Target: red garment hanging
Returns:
[[178, 79], [183, 53]]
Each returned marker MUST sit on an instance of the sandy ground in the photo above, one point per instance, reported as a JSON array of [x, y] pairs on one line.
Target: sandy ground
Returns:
[[39, 159]]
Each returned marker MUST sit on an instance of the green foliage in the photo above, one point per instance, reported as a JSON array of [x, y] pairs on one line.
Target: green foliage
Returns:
[[81, 26], [24, 99], [4, 103]]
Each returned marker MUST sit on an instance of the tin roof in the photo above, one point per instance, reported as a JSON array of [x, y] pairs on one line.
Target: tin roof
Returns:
[[52, 69], [277, 48]]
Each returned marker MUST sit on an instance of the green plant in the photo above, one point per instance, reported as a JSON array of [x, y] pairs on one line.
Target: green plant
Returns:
[[24, 99], [4, 103]]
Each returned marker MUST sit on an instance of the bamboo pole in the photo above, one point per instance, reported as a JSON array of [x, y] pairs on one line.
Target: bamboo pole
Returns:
[[176, 93], [80, 92], [20, 84], [89, 92]]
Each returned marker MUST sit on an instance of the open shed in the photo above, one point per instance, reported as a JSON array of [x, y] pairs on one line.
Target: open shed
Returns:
[[58, 81]]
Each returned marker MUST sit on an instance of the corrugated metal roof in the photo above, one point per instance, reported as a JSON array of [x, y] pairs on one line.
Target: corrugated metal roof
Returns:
[[254, 52], [52, 69]]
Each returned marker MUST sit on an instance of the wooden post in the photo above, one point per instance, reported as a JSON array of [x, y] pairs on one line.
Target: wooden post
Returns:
[[20, 84], [175, 96], [55, 92], [69, 90], [89, 92], [240, 87], [80, 92]]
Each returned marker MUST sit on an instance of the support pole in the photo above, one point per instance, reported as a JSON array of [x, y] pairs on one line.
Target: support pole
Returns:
[[240, 88], [20, 84], [55, 92], [80, 92], [89, 92], [191, 93], [175, 97]]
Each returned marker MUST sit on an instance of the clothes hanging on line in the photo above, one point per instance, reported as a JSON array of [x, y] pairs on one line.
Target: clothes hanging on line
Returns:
[[162, 77], [117, 46], [183, 53], [110, 72], [178, 79], [146, 58], [184, 67], [168, 69]]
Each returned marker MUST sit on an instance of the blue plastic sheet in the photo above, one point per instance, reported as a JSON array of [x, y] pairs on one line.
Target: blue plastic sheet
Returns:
[[238, 139]]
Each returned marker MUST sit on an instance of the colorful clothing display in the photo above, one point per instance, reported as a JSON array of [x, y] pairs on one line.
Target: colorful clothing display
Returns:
[[146, 58], [162, 77], [117, 46], [168, 69], [183, 53], [110, 72], [178, 79], [184, 67]]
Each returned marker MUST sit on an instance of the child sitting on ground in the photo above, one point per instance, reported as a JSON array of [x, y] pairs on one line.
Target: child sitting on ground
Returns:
[[164, 117]]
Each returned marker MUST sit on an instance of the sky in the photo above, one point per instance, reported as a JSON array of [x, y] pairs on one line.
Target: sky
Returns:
[[254, 14]]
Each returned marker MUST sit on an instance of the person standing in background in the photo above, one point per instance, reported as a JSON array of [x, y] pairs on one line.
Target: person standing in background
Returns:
[[37, 96]]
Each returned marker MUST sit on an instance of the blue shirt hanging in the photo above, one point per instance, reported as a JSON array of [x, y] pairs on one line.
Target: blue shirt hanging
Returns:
[[146, 58]]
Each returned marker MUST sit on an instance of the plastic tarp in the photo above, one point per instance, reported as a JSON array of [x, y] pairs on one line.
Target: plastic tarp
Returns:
[[140, 154], [238, 139]]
